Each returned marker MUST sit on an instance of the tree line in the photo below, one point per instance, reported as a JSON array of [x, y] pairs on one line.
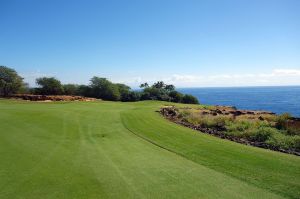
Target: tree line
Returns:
[[99, 87]]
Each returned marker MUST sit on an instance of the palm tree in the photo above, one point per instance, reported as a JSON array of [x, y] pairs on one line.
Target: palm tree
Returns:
[[159, 84], [144, 85]]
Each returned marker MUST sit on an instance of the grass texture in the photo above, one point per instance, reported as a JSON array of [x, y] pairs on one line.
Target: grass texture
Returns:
[[127, 150]]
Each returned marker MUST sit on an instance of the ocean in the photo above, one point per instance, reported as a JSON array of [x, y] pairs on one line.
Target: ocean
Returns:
[[279, 99]]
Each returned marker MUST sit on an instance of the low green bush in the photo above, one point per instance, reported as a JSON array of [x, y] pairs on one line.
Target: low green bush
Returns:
[[189, 99], [253, 131], [206, 121], [275, 134], [184, 113], [220, 121], [237, 128], [260, 133], [281, 120], [292, 130], [282, 141], [194, 117], [297, 142]]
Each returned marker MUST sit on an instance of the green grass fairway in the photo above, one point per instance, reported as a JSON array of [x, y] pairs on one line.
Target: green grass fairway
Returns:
[[127, 150]]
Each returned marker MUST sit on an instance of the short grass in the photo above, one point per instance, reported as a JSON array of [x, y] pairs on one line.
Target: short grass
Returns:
[[127, 150]]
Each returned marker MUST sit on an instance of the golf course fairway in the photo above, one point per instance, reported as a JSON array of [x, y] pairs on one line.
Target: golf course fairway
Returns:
[[127, 150]]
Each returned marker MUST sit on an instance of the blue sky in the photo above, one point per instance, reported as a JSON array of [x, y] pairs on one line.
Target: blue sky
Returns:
[[187, 43]]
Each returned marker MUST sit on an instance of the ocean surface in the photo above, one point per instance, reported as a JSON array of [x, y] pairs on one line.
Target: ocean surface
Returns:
[[276, 99]]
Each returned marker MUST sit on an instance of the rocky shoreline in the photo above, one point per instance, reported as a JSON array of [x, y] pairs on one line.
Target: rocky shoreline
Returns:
[[171, 113]]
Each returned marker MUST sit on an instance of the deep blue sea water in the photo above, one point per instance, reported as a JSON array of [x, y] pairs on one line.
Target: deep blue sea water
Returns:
[[276, 99]]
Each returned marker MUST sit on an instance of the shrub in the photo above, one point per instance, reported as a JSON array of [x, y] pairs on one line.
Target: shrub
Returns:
[[131, 96], [10, 81], [49, 86], [218, 121], [189, 99], [238, 126], [164, 97], [145, 96], [70, 89], [297, 142], [260, 134], [251, 130], [104, 89], [281, 120], [183, 113], [280, 140], [175, 96], [193, 119], [292, 131], [206, 121], [84, 90], [24, 89]]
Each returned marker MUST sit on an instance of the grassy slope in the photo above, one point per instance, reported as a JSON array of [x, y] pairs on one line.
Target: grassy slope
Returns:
[[277, 172], [83, 150]]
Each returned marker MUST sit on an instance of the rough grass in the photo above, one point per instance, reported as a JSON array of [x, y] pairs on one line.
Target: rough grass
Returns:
[[273, 130], [126, 150]]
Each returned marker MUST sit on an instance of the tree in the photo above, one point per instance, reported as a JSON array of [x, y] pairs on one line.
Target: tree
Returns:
[[175, 96], [70, 89], [84, 90], [164, 92], [159, 85], [25, 89], [49, 86], [145, 96], [10, 81], [132, 96], [151, 93], [189, 99], [144, 85], [126, 94], [104, 89], [170, 87]]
